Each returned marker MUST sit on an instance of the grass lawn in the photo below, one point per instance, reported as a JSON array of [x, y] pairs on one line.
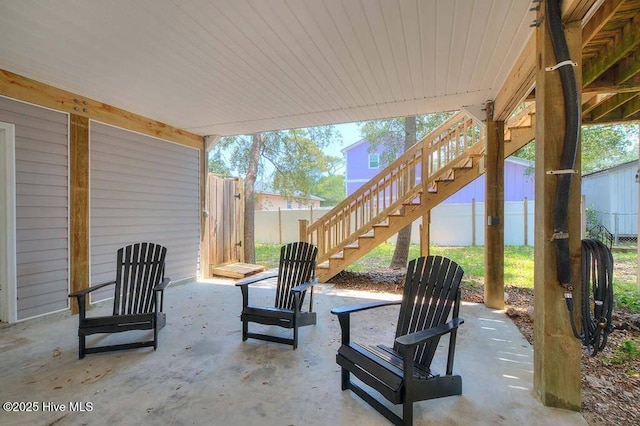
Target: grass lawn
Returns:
[[518, 266]]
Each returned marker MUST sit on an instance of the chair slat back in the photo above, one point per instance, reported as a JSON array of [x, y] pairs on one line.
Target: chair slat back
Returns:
[[140, 267], [297, 266], [431, 290]]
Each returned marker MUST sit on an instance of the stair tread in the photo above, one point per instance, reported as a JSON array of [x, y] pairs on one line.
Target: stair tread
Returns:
[[520, 127]]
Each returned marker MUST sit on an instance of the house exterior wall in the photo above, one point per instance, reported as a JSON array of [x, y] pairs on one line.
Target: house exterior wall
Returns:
[[42, 189], [51, 191], [142, 189], [518, 184], [613, 194], [357, 169]]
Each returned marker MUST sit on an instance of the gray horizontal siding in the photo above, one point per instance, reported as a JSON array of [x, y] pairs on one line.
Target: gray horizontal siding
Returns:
[[42, 233], [142, 189]]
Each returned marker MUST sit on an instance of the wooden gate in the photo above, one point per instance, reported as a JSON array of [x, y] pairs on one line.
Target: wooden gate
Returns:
[[225, 220]]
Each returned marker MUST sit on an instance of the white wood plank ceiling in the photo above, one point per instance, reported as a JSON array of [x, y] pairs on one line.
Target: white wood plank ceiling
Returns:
[[239, 66]]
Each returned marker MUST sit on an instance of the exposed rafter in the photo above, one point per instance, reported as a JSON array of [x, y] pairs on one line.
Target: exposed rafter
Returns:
[[611, 104], [623, 44], [600, 19]]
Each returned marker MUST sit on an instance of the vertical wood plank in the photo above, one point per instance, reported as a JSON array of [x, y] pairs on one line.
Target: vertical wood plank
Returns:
[[79, 205], [240, 216], [425, 234], [205, 266], [494, 213], [556, 351], [303, 224]]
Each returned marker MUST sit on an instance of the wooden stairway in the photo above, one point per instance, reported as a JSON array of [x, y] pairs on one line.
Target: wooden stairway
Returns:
[[426, 174]]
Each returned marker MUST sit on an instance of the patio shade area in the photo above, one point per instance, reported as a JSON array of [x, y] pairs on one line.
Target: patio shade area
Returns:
[[202, 372]]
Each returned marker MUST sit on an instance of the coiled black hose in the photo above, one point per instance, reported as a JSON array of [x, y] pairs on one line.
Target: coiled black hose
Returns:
[[570, 145], [597, 289]]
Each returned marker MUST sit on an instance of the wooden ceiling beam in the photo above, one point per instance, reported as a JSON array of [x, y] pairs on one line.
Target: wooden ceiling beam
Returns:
[[522, 77], [629, 67], [575, 10], [592, 103], [614, 117], [631, 108], [628, 41], [519, 83], [611, 104], [604, 13], [608, 83], [25, 89]]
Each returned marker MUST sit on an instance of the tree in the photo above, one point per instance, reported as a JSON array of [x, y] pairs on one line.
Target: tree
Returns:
[[217, 165], [603, 146], [331, 189], [396, 135], [403, 240], [292, 160]]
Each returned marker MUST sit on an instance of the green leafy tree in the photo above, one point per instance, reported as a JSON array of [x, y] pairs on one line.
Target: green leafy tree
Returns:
[[603, 146], [331, 189], [396, 135], [217, 164], [292, 160]]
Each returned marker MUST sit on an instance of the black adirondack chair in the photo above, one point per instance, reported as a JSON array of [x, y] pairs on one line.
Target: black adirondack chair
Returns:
[[296, 275], [402, 374], [138, 297]]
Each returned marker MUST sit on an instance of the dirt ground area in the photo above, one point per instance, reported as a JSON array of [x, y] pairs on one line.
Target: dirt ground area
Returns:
[[610, 381]]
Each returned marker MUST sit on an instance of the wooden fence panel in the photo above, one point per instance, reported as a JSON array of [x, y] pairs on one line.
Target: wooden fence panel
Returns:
[[225, 208]]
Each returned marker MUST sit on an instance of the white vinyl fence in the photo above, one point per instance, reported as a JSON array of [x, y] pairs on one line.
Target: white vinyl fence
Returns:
[[451, 224]]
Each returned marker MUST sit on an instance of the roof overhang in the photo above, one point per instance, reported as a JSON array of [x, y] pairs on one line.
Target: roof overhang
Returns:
[[236, 67]]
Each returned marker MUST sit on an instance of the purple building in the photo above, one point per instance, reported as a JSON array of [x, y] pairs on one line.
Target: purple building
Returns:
[[361, 165]]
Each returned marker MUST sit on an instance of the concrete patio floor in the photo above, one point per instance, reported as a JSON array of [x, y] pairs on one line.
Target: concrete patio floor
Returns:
[[203, 374]]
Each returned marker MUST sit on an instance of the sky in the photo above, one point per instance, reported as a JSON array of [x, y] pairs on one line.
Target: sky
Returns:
[[350, 134]]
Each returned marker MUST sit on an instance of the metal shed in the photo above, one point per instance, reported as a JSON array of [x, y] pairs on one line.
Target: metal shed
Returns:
[[613, 194]]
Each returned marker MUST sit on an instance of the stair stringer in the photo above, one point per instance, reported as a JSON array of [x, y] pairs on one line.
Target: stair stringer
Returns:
[[428, 200]]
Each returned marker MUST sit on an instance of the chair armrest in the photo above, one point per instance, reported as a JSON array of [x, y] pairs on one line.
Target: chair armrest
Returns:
[[86, 291], [256, 278], [302, 287], [343, 310], [344, 315], [165, 282], [422, 336]]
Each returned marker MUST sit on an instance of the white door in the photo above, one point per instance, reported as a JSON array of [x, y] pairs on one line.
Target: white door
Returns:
[[8, 309]]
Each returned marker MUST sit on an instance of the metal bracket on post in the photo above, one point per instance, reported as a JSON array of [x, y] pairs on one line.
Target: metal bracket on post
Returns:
[[561, 64]]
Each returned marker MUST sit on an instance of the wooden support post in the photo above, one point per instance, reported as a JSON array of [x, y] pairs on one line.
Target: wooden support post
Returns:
[[79, 205], [303, 223], [556, 351], [494, 213], [425, 235]]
